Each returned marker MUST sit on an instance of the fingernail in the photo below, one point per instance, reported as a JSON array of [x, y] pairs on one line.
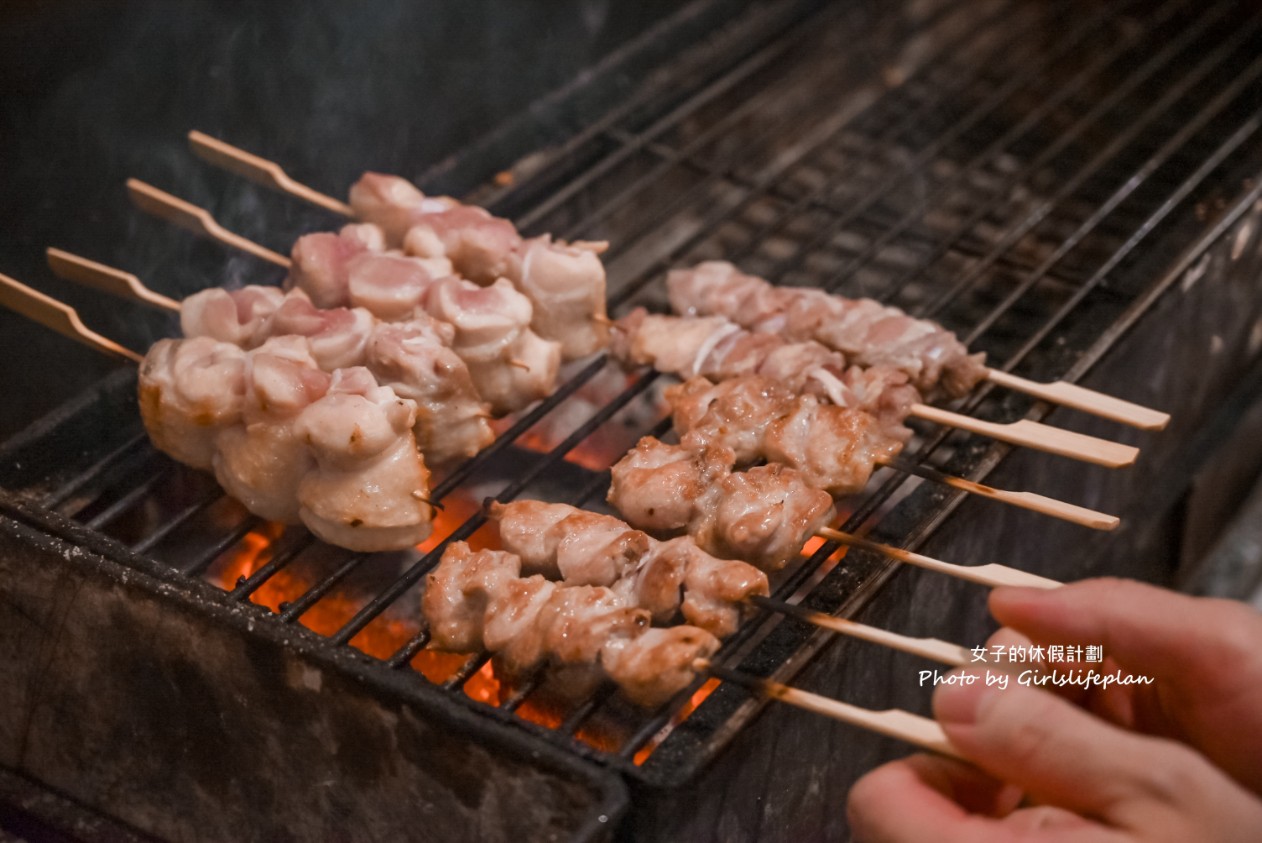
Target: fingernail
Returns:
[[963, 703]]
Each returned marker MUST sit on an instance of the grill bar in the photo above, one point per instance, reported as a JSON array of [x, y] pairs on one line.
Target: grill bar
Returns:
[[94, 471], [1161, 60], [1045, 108], [759, 188], [630, 143]]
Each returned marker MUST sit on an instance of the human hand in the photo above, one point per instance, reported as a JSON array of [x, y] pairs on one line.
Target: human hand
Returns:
[[1088, 779]]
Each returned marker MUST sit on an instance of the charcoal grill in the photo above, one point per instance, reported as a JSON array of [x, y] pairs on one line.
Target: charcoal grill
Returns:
[[1070, 187]]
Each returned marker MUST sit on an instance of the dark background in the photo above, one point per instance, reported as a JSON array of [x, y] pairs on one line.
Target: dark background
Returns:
[[93, 92]]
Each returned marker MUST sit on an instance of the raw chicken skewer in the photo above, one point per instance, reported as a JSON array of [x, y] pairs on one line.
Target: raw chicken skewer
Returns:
[[835, 447], [290, 441], [562, 541], [764, 515], [492, 324], [716, 348], [411, 356], [872, 334], [565, 282], [415, 351]]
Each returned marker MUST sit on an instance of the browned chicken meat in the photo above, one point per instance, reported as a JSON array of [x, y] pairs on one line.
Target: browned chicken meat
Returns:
[[661, 488], [565, 282], [763, 515], [477, 600], [655, 667], [663, 577], [833, 448], [869, 333], [458, 592]]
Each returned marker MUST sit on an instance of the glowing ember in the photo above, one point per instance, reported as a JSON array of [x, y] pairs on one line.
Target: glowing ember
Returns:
[[386, 635]]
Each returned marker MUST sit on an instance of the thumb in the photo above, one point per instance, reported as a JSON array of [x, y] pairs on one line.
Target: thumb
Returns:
[[1059, 754]]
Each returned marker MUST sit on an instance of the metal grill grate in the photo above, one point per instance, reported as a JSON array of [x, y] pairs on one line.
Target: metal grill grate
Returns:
[[1011, 173]]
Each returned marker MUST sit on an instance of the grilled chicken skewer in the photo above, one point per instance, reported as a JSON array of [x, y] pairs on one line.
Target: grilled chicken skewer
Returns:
[[764, 515], [716, 348], [478, 600], [872, 334], [667, 578], [836, 448], [565, 282]]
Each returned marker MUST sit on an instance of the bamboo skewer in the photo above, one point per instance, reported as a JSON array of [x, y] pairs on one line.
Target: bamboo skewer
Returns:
[[270, 174], [197, 220], [894, 723], [993, 574], [1040, 437], [1025, 500], [261, 171], [107, 279], [127, 286], [930, 648], [1081, 398], [57, 316]]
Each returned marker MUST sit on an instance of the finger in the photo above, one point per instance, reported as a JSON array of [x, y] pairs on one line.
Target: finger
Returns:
[[1208, 641], [915, 799], [1203, 655], [1057, 753]]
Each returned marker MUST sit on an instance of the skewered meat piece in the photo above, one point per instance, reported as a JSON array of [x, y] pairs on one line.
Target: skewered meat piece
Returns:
[[477, 600], [510, 364], [289, 441], [661, 487], [869, 333], [834, 448], [414, 359], [263, 461], [665, 577], [368, 489], [763, 515], [458, 592], [714, 348], [652, 669], [565, 282], [241, 317], [577, 546], [190, 391], [346, 268]]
